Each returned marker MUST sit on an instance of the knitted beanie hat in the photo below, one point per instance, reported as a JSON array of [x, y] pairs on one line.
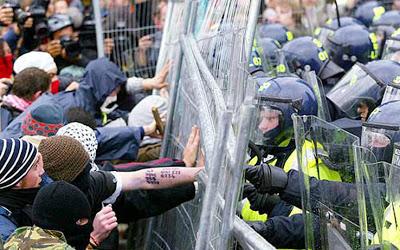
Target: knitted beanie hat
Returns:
[[17, 157], [44, 120], [84, 135], [59, 204], [64, 158]]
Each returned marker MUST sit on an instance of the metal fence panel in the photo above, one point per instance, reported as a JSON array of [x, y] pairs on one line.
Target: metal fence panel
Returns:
[[209, 42], [209, 83], [135, 27]]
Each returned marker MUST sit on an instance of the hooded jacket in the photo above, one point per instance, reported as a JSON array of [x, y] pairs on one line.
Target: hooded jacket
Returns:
[[100, 79]]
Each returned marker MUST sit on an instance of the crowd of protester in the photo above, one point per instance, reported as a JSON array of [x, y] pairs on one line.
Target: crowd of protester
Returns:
[[80, 146]]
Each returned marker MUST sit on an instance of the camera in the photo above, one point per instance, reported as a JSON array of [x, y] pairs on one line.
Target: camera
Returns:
[[88, 33], [37, 11], [72, 47]]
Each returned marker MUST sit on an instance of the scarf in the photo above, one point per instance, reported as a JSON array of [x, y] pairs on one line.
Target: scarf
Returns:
[[19, 202], [16, 102]]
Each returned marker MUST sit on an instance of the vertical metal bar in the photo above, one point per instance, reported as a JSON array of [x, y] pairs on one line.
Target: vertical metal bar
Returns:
[[247, 114], [173, 97], [206, 122], [209, 201], [251, 26], [163, 51], [99, 28], [193, 17], [210, 81], [175, 82]]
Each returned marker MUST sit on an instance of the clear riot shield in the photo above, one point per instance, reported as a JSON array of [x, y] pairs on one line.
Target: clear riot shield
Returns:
[[392, 93], [380, 200], [311, 78], [325, 152]]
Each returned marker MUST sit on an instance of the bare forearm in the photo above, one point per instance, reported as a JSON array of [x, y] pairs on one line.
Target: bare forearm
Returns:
[[158, 178]]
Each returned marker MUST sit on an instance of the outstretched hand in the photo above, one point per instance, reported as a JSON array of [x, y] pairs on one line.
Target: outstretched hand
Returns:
[[192, 147], [159, 80]]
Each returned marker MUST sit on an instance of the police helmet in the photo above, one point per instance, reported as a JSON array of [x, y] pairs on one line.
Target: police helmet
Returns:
[[391, 49], [362, 88], [279, 98], [256, 62], [59, 21], [332, 25], [275, 31], [306, 54], [352, 44], [390, 18], [368, 12], [386, 25], [382, 131], [269, 53]]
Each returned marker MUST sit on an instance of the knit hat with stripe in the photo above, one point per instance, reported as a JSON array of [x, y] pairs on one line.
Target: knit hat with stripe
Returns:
[[17, 157]]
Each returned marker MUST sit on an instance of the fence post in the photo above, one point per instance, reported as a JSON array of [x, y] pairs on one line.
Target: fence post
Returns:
[[251, 26], [99, 28], [234, 175], [210, 202], [175, 82]]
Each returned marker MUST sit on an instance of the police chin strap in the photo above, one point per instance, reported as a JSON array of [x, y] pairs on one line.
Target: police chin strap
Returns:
[[256, 150], [269, 137], [280, 153]]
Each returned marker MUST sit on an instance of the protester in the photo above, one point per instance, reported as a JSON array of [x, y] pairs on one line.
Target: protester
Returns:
[[28, 86], [62, 210]]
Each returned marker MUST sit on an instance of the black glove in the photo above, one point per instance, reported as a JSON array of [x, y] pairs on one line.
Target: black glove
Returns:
[[266, 179], [263, 203], [260, 227]]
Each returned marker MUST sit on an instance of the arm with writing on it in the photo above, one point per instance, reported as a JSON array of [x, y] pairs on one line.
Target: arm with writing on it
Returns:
[[158, 178]]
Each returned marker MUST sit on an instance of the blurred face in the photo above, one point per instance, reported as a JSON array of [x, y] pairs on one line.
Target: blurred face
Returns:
[[159, 19], [68, 31], [309, 3], [53, 74], [285, 15], [60, 7], [269, 120], [25, 3], [363, 111], [396, 5], [270, 16], [33, 178]]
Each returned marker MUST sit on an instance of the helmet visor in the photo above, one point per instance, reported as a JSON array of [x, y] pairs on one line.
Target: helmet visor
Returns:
[[269, 121], [379, 139], [358, 89], [392, 93], [392, 48], [273, 114], [324, 34], [396, 154]]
